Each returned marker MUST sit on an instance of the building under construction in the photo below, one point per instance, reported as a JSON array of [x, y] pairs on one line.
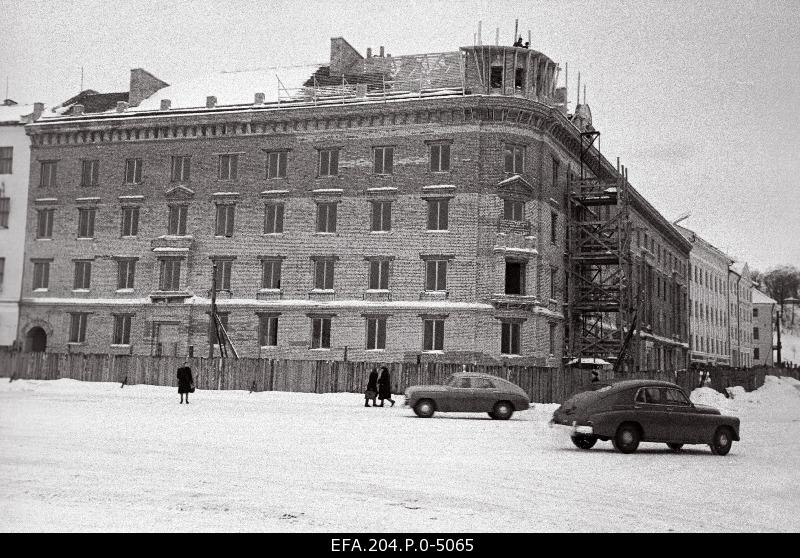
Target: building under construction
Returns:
[[627, 290]]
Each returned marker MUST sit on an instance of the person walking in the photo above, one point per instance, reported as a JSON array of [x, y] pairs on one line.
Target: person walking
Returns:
[[185, 381], [385, 386], [372, 389]]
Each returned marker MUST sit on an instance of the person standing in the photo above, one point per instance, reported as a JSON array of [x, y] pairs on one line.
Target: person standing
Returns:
[[385, 386], [372, 389], [185, 381]]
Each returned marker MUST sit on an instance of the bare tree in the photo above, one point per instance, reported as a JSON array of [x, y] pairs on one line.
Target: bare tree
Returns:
[[783, 282]]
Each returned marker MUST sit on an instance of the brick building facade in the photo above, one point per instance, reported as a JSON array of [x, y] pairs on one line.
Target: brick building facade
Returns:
[[428, 225]]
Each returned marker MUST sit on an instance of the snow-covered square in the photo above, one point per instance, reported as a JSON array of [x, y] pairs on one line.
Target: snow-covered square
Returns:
[[80, 456]]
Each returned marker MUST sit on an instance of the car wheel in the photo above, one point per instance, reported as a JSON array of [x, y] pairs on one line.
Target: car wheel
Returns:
[[502, 410], [584, 441], [722, 441], [674, 447], [424, 408], [627, 438]]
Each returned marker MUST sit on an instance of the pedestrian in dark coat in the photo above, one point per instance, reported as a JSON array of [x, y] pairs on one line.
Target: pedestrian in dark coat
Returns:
[[385, 386], [372, 389], [185, 381]]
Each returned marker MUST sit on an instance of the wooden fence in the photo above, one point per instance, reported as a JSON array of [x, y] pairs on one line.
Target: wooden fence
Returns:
[[543, 385]]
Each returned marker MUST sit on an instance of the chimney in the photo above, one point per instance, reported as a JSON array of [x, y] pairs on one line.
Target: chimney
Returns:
[[165, 104], [211, 101], [143, 84], [381, 52], [259, 100], [77, 110], [369, 52], [122, 106], [38, 109]]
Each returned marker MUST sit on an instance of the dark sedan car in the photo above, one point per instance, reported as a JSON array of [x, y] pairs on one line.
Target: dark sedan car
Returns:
[[469, 392], [642, 410]]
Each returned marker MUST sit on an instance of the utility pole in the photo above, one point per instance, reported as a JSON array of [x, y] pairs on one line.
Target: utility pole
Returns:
[[778, 327]]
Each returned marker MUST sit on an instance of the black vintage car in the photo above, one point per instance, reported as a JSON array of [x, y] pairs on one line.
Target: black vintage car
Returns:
[[643, 410]]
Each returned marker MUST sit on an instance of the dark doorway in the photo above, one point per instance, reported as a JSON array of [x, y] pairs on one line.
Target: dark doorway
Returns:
[[36, 340]]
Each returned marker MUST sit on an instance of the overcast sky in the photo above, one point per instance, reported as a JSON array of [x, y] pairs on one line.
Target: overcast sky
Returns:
[[698, 99]]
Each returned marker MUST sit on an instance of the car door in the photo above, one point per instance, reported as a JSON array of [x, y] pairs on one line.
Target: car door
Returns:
[[457, 396], [484, 394], [683, 426], [651, 412]]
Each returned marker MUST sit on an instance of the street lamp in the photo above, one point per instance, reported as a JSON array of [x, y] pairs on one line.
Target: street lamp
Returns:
[[791, 301]]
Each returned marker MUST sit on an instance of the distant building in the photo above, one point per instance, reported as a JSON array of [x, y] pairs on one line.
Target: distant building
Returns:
[[763, 325], [740, 302], [709, 309], [14, 179]]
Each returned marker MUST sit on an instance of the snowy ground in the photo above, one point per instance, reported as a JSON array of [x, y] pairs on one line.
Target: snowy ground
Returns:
[[93, 457]]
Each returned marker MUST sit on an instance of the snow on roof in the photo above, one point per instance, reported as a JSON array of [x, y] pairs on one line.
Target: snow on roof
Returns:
[[14, 113], [232, 87], [589, 360], [761, 298], [738, 267]]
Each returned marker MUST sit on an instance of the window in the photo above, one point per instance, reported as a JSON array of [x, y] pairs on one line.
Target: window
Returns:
[[519, 78], [2, 270], [133, 171], [381, 216], [675, 397], [555, 173], [326, 217], [513, 210], [438, 214], [509, 338], [126, 269], [170, 275], [41, 275], [44, 223], [328, 162], [756, 353], [122, 329], [379, 274], [86, 223], [755, 312], [554, 283], [273, 218], [6, 160], [755, 333], [176, 221], [83, 275], [433, 335], [552, 327], [130, 221], [224, 223], [376, 333], [320, 333], [514, 158], [5, 209], [553, 228], [181, 165], [90, 171], [435, 275], [383, 160], [496, 77], [515, 277], [268, 330], [222, 276], [323, 273], [276, 164], [77, 328], [47, 177], [271, 273], [228, 167], [440, 157]]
